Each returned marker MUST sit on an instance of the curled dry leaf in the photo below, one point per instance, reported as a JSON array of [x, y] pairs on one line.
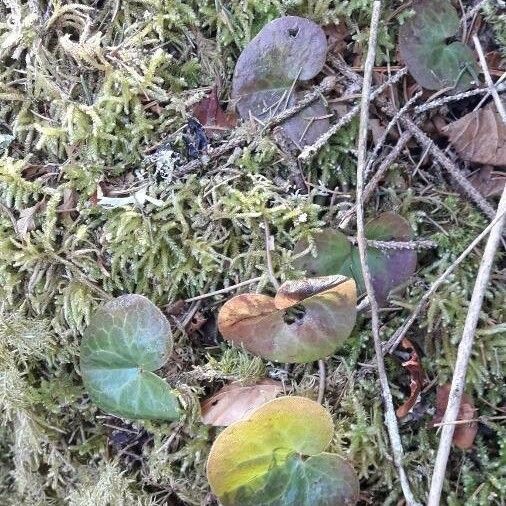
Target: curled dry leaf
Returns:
[[277, 456], [336, 255], [464, 434], [479, 136], [432, 62], [211, 115], [286, 50], [235, 402], [26, 220], [414, 367], [307, 320]]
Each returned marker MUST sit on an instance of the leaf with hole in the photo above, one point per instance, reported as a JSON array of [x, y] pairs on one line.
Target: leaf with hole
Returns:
[[307, 319], [334, 254], [235, 402], [285, 51], [277, 457], [432, 61], [128, 338]]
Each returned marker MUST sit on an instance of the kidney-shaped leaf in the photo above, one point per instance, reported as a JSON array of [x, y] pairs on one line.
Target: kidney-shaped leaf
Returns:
[[278, 457], [127, 339], [307, 320], [336, 255], [286, 50], [423, 46]]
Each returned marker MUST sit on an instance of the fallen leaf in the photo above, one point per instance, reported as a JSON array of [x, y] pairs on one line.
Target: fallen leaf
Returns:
[[337, 33], [235, 402], [307, 320], [26, 220], [479, 136], [285, 51], [69, 203], [464, 434], [488, 182], [414, 367], [211, 115], [423, 47]]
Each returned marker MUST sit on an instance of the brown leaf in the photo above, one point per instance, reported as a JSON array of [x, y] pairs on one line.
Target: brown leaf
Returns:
[[69, 203], [414, 367], [210, 114], [464, 434], [26, 221], [488, 182], [479, 137], [235, 402], [336, 36]]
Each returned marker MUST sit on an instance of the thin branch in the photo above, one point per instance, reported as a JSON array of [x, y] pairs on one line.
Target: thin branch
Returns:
[[386, 245], [459, 96], [377, 177], [390, 417], [310, 151], [488, 79], [398, 336], [321, 383], [225, 290], [268, 249], [463, 355]]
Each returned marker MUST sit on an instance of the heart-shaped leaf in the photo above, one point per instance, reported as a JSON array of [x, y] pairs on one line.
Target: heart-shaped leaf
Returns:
[[307, 320], [127, 339], [286, 50], [278, 457], [423, 46], [336, 255]]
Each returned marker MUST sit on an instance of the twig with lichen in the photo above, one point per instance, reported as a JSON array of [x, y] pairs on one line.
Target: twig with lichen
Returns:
[[464, 354], [390, 416]]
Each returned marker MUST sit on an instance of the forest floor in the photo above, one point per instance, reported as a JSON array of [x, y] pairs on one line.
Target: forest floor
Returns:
[[109, 186]]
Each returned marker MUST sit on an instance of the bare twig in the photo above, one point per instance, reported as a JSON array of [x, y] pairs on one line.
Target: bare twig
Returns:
[[390, 417], [225, 290], [402, 331], [488, 79], [464, 353], [459, 96], [412, 245], [427, 143], [321, 383], [268, 249], [376, 178], [310, 151]]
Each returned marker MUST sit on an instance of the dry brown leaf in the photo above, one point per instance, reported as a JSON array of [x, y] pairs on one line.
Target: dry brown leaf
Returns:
[[336, 36], [479, 137], [210, 114], [414, 366], [488, 182], [26, 221], [464, 434], [235, 402]]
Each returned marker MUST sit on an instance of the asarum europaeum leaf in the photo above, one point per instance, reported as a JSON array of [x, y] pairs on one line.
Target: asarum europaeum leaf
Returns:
[[336, 255], [434, 63], [286, 50], [307, 319], [277, 457], [127, 339]]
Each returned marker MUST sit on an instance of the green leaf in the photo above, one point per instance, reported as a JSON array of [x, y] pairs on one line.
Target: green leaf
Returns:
[[307, 320], [336, 255], [277, 457], [127, 339], [286, 50], [432, 62]]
